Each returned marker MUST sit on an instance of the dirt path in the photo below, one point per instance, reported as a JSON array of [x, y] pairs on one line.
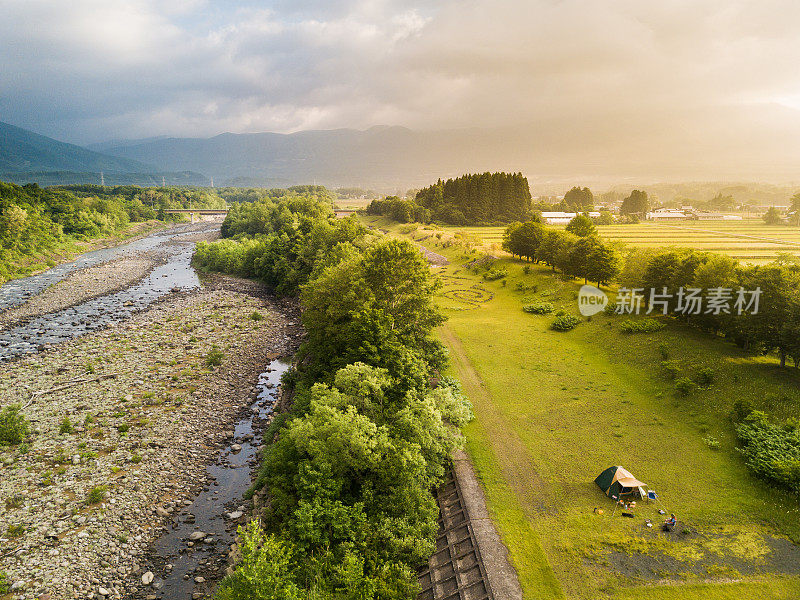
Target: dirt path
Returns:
[[508, 449]]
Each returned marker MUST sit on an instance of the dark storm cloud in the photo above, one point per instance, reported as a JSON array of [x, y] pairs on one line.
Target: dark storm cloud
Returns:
[[661, 77]]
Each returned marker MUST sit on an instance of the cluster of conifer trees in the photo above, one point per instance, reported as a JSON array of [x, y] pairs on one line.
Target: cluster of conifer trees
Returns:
[[476, 199]]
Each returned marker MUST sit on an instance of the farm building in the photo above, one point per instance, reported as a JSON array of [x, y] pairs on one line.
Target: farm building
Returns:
[[709, 216], [562, 218], [663, 214]]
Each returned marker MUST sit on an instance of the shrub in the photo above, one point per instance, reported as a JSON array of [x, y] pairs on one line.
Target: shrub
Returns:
[[96, 494], [257, 316], [265, 571], [705, 377], [671, 368], [521, 286], [214, 357], [66, 427], [685, 386], [565, 323], [663, 349], [16, 501], [5, 586], [538, 308], [526, 269], [741, 409], [771, 451], [123, 429], [15, 531], [13, 425], [641, 326], [711, 442], [495, 274]]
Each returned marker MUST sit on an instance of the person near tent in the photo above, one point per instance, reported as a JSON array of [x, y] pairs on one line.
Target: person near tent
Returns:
[[669, 524]]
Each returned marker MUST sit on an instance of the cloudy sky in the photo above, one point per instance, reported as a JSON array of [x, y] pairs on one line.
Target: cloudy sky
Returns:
[[679, 81]]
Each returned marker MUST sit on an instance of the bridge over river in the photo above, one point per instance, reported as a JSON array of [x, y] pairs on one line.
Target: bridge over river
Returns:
[[201, 212]]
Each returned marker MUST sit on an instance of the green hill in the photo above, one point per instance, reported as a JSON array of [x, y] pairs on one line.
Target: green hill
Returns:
[[24, 151]]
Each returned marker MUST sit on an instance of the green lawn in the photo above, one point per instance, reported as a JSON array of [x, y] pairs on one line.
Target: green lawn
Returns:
[[554, 409]]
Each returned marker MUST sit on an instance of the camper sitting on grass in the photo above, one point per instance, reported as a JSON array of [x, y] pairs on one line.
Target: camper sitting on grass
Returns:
[[669, 524]]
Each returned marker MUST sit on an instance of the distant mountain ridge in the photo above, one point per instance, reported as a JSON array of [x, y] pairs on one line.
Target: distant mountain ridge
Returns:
[[27, 157], [23, 151], [382, 156]]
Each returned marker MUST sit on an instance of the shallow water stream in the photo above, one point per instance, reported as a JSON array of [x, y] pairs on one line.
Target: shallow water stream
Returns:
[[176, 274], [211, 510]]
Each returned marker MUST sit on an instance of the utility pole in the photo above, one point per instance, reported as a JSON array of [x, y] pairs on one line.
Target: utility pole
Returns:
[[163, 181], [102, 180], [212, 181]]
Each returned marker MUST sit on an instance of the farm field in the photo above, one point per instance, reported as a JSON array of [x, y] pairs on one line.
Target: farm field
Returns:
[[555, 409], [748, 241]]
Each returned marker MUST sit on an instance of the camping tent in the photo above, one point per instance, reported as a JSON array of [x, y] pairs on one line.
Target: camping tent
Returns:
[[615, 481]]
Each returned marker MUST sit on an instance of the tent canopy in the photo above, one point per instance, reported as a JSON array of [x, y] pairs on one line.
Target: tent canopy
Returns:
[[617, 480]]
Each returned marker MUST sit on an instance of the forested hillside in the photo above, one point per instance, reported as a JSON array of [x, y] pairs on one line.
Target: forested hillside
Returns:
[[35, 222], [23, 150]]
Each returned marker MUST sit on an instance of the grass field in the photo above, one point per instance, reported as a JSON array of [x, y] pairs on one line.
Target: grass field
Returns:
[[555, 409], [749, 241]]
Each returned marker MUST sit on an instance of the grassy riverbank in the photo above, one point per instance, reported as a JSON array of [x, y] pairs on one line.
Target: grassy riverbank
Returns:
[[554, 409], [70, 249]]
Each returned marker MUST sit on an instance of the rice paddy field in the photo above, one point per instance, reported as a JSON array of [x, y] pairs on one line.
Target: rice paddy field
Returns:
[[749, 241]]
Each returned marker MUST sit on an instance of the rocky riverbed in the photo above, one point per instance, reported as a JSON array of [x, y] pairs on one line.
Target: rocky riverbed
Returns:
[[125, 421], [85, 284]]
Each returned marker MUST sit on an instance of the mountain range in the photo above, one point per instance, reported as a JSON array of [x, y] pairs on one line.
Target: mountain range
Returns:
[[377, 157], [391, 158], [26, 157]]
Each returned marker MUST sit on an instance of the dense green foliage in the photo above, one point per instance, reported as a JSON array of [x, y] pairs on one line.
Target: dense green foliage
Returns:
[[565, 323], [578, 200], [582, 226], [585, 257], [523, 239], [772, 216], [351, 466], [468, 200], [771, 450], [397, 209], [13, 425], [641, 326], [235, 194], [774, 327], [538, 308], [479, 198], [637, 203], [281, 241], [34, 221]]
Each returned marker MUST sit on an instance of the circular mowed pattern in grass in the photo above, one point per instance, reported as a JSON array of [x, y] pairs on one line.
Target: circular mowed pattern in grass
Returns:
[[459, 289]]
